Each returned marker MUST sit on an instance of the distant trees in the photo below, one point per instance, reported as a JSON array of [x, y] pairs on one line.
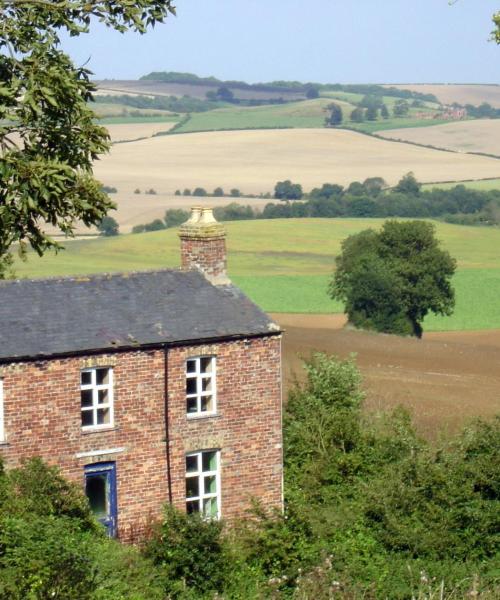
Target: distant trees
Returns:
[[358, 115], [312, 92], [384, 113], [108, 226], [335, 116], [390, 280], [401, 108], [408, 185], [218, 192], [199, 191], [371, 113], [286, 190]]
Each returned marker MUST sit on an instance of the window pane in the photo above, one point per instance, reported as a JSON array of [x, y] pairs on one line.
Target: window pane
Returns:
[[210, 485], [192, 405], [206, 365], [191, 385], [87, 418], [210, 507], [192, 507], [86, 378], [95, 489], [102, 376], [206, 384], [206, 404], [192, 463], [102, 396], [209, 461], [192, 487], [86, 397], [103, 416], [191, 365]]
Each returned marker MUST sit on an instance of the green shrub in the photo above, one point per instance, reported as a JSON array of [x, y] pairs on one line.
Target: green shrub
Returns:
[[199, 191]]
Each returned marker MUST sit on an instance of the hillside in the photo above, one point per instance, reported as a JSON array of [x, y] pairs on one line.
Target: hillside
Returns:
[[461, 93]]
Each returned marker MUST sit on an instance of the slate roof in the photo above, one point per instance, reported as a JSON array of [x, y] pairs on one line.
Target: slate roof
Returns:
[[40, 318]]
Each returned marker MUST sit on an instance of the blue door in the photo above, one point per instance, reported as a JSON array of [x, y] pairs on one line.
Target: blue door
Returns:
[[100, 488]]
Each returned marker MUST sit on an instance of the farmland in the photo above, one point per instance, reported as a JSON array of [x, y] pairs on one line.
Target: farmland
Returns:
[[284, 265], [254, 160], [482, 135], [461, 93]]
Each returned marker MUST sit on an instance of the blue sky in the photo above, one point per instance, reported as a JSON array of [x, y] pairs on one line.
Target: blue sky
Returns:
[[347, 41]]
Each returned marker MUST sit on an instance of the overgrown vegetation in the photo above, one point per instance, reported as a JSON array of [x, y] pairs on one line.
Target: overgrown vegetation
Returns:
[[372, 511]]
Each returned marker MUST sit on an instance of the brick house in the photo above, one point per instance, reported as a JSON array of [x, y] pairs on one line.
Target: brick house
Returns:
[[146, 388]]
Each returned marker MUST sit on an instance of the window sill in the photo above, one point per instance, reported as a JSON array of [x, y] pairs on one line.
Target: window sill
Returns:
[[99, 429], [4, 443], [215, 415]]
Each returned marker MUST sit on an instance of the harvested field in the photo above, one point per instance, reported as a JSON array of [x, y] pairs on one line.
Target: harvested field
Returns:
[[121, 132], [254, 161], [463, 94], [446, 379], [482, 135], [161, 88]]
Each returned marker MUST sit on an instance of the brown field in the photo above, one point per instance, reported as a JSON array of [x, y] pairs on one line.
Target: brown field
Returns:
[[446, 379], [135, 209], [158, 88], [132, 131], [254, 161], [463, 136], [463, 94]]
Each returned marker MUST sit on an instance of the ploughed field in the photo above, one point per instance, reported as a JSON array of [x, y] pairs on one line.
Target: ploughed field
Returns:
[[482, 135], [446, 379]]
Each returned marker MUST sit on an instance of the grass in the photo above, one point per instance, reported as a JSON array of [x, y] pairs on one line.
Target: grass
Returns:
[[482, 184], [284, 265], [304, 114], [128, 120], [392, 123]]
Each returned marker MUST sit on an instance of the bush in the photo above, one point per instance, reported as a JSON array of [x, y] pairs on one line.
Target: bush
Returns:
[[137, 191], [151, 192], [190, 553], [218, 192], [175, 217], [235, 193], [186, 192], [155, 225], [286, 190], [138, 228], [108, 226], [199, 191], [177, 193]]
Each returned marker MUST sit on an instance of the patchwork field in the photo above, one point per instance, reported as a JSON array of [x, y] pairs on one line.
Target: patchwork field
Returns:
[[309, 156], [285, 265], [121, 132], [482, 135], [463, 94], [484, 184]]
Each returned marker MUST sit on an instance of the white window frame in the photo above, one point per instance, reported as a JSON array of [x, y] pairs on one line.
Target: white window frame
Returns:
[[95, 396], [200, 475], [199, 376], [2, 413]]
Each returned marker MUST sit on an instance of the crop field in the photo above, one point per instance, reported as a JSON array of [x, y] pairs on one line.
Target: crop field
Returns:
[[309, 113], [463, 94], [285, 265], [254, 161], [481, 135], [134, 130], [121, 111]]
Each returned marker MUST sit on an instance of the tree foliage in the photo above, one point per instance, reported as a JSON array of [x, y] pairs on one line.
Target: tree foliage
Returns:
[[392, 279], [335, 116], [48, 137], [286, 190]]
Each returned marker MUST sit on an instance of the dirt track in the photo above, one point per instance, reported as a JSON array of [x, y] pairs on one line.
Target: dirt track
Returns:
[[445, 379]]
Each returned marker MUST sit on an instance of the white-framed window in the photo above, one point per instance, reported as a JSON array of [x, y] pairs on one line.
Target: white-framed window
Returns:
[[2, 416], [203, 483], [96, 390], [200, 386]]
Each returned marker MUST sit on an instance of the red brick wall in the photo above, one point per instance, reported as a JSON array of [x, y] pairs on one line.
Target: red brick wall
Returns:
[[42, 418], [205, 254]]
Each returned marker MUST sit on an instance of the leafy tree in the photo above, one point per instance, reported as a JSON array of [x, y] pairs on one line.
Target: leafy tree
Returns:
[[401, 108], [177, 193], [374, 185], [155, 225], [312, 92], [392, 279], [176, 216], [218, 192], [108, 226], [235, 193], [137, 191], [225, 94], [358, 115], [48, 135], [355, 189], [199, 191], [384, 113], [186, 192], [327, 190], [408, 185], [335, 117], [371, 113], [286, 190]]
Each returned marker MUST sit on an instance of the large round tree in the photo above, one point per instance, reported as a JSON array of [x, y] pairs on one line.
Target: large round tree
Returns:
[[391, 279]]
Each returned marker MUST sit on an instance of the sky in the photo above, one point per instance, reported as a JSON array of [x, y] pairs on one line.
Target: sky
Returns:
[[325, 41]]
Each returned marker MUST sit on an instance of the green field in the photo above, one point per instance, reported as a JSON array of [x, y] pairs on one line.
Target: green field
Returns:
[[129, 120], [483, 184], [284, 265], [304, 114]]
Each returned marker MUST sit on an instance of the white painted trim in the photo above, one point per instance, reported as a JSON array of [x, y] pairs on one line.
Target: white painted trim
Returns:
[[99, 452]]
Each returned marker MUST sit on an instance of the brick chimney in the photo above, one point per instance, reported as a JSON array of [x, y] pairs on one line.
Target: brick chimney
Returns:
[[203, 245]]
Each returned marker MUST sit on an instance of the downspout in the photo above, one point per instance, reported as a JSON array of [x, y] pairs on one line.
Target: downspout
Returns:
[[167, 431]]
